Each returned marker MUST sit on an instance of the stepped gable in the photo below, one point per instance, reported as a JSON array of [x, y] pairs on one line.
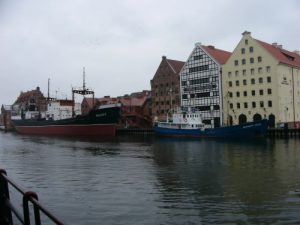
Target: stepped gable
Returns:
[[220, 55], [282, 55]]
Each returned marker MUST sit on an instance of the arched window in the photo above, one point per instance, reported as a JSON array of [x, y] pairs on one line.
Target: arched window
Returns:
[[242, 119], [257, 117], [271, 120]]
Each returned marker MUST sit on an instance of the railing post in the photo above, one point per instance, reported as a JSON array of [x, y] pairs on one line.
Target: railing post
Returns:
[[5, 212], [26, 199]]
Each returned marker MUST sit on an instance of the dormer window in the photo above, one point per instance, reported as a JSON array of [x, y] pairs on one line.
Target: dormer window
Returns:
[[289, 57]]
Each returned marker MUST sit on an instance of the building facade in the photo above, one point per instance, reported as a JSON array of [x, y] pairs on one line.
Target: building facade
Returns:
[[31, 101], [201, 86], [165, 88], [62, 109], [261, 80]]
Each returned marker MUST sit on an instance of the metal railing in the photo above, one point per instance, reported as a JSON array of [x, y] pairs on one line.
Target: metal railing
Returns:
[[7, 209]]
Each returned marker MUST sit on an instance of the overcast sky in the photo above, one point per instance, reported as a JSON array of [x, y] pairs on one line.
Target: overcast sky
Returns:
[[121, 42]]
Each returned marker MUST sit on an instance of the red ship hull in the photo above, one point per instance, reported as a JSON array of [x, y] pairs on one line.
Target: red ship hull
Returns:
[[70, 130]]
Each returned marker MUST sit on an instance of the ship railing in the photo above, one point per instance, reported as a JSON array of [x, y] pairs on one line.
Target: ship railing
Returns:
[[30, 200]]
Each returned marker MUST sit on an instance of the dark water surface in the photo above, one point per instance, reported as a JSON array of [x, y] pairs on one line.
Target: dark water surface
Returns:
[[148, 180]]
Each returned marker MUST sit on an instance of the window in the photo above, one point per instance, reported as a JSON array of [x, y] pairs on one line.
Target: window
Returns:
[[231, 105], [269, 79], [253, 92], [259, 70], [246, 41], [230, 94], [245, 105], [230, 83], [244, 82], [229, 74], [269, 91], [196, 57], [268, 69], [243, 50], [253, 104], [251, 60], [260, 80], [252, 81], [270, 103], [259, 59], [261, 103], [251, 49], [244, 72], [243, 61], [198, 68], [236, 73], [245, 93], [238, 105], [252, 71], [237, 94], [261, 92], [236, 62], [237, 83]]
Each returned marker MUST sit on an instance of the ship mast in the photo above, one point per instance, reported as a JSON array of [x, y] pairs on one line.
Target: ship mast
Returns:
[[81, 91]]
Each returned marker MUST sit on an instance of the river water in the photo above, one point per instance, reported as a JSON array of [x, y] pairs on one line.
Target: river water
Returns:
[[151, 180]]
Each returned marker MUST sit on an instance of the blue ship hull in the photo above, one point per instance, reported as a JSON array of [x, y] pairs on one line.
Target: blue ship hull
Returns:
[[246, 130]]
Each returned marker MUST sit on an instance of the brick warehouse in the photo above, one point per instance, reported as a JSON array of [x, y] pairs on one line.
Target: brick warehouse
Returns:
[[165, 87]]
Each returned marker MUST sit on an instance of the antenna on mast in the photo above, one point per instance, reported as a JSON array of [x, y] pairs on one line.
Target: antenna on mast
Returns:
[[83, 78], [48, 96]]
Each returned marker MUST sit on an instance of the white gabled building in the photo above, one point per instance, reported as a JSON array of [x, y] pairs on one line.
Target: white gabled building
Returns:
[[200, 83], [62, 109]]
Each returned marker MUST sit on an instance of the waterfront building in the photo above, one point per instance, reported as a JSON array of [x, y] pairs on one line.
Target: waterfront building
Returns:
[[201, 88], [261, 80], [165, 86], [30, 101], [62, 109], [135, 108]]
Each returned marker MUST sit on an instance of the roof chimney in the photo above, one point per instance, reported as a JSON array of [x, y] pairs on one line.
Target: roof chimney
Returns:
[[164, 57], [279, 46], [274, 44], [246, 33], [211, 46]]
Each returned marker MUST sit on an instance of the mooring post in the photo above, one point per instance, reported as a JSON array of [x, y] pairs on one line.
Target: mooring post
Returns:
[[5, 212]]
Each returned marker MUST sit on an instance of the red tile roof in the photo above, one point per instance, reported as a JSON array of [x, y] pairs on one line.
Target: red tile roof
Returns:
[[282, 55], [219, 55], [25, 96], [176, 65], [134, 101]]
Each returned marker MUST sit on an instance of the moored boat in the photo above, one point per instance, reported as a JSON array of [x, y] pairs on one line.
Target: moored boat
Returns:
[[189, 124], [99, 122]]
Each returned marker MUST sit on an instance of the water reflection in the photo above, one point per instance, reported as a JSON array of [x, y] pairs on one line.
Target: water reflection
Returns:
[[245, 179], [150, 180]]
